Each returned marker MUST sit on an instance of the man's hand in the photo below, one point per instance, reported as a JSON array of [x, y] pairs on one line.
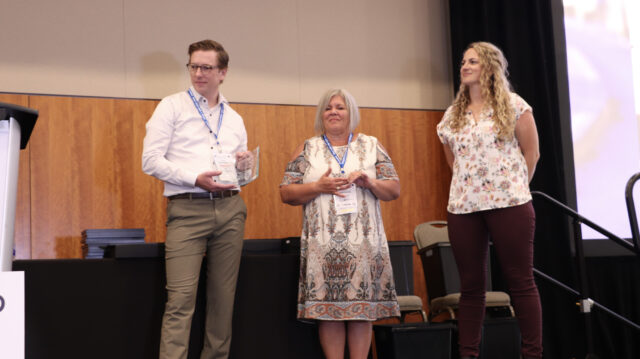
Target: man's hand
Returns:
[[244, 160], [206, 182]]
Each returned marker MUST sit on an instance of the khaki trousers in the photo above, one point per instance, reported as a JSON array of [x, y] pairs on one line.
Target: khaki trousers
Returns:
[[196, 227]]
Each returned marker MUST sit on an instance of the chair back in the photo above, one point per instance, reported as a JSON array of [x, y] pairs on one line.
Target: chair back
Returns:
[[429, 233]]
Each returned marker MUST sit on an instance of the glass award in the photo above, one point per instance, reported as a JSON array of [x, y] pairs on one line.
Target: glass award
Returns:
[[247, 166]]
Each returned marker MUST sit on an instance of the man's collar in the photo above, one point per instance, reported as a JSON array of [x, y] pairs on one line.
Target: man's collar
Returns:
[[199, 97]]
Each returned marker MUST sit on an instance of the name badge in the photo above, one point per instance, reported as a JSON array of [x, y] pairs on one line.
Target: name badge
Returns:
[[347, 204], [226, 163]]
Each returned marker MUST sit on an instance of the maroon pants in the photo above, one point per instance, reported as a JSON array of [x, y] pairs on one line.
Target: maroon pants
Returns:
[[512, 231]]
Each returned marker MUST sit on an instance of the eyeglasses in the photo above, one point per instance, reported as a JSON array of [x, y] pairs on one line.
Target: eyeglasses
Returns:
[[205, 69]]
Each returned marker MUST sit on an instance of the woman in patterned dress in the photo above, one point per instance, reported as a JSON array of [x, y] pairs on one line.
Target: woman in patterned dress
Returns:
[[338, 176], [491, 144]]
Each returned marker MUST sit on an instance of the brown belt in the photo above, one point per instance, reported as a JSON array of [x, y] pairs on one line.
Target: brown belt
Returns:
[[207, 195]]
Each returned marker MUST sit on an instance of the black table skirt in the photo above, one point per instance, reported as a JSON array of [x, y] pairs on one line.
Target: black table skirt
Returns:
[[112, 308]]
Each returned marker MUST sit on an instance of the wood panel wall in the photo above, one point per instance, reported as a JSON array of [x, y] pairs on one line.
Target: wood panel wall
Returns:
[[82, 169]]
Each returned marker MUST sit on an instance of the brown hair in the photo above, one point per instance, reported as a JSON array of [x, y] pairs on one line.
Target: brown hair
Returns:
[[210, 45]]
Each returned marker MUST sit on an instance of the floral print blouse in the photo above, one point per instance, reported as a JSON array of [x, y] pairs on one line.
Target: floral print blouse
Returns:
[[488, 172]]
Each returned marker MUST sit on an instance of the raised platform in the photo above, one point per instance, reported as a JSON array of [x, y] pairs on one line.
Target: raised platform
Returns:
[[112, 308]]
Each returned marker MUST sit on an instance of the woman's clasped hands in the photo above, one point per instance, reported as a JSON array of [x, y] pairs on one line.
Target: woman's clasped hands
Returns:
[[333, 185]]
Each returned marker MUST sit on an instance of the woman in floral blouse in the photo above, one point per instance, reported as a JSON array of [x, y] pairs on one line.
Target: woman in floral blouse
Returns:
[[491, 144]]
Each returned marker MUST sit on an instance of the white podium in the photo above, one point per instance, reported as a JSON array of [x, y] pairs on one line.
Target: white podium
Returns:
[[12, 328], [16, 124]]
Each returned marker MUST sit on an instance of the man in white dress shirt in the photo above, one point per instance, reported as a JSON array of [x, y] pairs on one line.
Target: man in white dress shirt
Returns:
[[193, 140]]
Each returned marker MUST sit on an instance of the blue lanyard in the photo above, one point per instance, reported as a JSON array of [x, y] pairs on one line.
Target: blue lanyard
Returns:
[[204, 118], [342, 161]]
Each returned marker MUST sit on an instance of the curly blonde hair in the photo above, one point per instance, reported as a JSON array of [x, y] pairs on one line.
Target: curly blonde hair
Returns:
[[495, 88]]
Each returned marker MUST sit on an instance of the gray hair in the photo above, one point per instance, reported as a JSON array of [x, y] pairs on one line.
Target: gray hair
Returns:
[[352, 107]]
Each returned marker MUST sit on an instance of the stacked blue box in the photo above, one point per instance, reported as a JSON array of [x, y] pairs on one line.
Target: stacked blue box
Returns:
[[94, 241]]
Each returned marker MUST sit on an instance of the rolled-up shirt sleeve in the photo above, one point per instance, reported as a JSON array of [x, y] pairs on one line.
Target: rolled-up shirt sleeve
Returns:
[[442, 129]]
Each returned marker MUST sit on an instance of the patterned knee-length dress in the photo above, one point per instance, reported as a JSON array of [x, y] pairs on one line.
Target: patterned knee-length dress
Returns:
[[345, 268]]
